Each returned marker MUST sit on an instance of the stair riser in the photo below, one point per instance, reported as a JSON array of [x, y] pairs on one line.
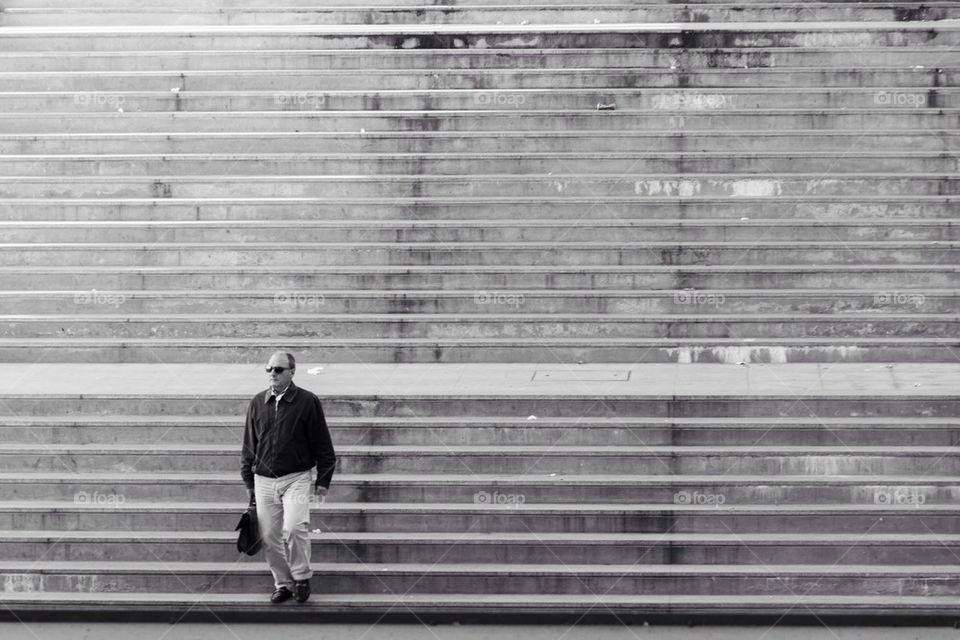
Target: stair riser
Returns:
[[41, 210], [290, 122], [514, 165], [520, 406], [692, 60], [574, 186], [677, 101], [329, 519], [330, 549], [771, 435], [669, 38], [666, 278], [870, 465], [846, 144], [476, 232], [305, 301], [534, 350], [770, 583], [454, 256], [608, 327], [565, 492]]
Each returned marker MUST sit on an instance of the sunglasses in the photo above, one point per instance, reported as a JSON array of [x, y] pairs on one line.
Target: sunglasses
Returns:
[[276, 369]]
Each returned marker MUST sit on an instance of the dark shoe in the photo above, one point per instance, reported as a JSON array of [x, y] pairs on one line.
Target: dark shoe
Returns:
[[302, 589], [281, 595]]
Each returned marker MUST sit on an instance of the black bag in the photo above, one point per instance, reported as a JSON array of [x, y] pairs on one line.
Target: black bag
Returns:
[[249, 541]]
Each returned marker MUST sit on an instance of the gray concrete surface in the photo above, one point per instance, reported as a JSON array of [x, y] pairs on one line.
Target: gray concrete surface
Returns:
[[90, 631]]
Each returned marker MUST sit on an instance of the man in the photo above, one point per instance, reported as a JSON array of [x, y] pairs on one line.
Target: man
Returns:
[[284, 438]]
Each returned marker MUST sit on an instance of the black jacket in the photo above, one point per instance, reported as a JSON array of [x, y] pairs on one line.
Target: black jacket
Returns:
[[283, 439]]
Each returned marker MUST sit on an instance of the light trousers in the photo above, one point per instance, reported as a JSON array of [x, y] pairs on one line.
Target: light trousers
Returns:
[[283, 508]]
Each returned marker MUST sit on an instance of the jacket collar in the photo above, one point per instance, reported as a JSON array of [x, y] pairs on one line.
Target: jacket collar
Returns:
[[288, 395]]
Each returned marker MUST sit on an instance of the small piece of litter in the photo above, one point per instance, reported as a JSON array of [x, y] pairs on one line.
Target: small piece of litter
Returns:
[[315, 371]]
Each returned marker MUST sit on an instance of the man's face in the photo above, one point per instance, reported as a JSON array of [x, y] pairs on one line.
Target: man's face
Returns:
[[279, 380]]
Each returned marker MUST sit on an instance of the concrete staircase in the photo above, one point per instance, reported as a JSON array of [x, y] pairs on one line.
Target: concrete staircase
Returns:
[[717, 185]]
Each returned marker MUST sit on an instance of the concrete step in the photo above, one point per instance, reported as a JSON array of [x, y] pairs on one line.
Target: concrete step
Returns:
[[546, 398], [472, 231], [470, 431], [487, 578], [517, 324], [634, 208], [310, 58], [844, 305], [895, 281], [491, 517], [481, 120], [507, 548], [373, 5], [688, 36], [664, 143], [667, 89], [491, 254], [512, 350], [869, 462], [115, 489], [465, 14], [447, 607], [307, 100], [471, 163], [491, 185]]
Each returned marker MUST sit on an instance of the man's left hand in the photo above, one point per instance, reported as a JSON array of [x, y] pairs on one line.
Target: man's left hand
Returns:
[[320, 493]]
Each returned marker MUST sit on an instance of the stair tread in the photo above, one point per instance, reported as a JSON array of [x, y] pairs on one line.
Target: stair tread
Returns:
[[372, 342], [449, 29], [471, 480], [232, 317], [503, 450], [132, 506], [747, 422], [536, 268], [467, 223], [775, 603], [461, 537], [372, 568], [401, 294]]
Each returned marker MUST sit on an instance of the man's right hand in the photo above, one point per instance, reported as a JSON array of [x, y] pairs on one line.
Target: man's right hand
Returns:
[[251, 498]]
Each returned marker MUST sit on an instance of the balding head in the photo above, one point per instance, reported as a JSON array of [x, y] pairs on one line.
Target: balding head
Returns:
[[282, 359]]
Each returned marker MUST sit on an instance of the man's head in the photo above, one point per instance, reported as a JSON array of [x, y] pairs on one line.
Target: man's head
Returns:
[[280, 369]]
